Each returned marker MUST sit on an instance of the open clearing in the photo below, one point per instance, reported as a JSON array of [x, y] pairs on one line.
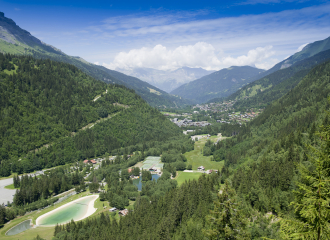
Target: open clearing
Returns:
[[196, 158], [186, 176]]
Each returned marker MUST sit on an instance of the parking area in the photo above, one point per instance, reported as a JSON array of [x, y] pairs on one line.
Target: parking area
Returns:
[[6, 194]]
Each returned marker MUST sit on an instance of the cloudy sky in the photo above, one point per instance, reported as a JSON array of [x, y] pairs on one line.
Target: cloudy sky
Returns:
[[170, 34]]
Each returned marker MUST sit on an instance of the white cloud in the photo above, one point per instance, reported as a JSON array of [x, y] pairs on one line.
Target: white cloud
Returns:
[[254, 56], [119, 40], [301, 47], [201, 54]]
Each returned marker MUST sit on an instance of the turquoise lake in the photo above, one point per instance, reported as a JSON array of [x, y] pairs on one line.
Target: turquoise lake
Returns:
[[74, 211]]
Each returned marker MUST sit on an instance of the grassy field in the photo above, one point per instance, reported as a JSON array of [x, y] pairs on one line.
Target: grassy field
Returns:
[[186, 176], [196, 158], [11, 186]]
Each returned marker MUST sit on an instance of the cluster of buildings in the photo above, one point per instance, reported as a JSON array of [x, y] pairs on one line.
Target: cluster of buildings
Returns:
[[120, 213], [201, 168], [239, 117], [188, 122], [90, 161], [215, 107], [226, 112]]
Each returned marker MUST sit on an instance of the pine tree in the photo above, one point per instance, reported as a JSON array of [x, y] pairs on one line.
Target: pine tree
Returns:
[[226, 220], [312, 197]]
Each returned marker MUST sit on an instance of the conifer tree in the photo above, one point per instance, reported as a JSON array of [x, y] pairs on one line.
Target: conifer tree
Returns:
[[312, 197], [226, 220]]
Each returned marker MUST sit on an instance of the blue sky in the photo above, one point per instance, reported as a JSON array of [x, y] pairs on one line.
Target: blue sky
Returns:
[[171, 34]]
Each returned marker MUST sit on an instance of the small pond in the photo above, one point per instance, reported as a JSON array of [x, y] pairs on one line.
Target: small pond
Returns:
[[19, 228], [138, 182]]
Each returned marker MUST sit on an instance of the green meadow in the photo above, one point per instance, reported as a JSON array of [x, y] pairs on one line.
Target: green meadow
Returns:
[[196, 158]]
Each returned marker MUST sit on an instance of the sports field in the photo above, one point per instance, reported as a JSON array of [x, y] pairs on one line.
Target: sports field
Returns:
[[186, 176], [152, 162]]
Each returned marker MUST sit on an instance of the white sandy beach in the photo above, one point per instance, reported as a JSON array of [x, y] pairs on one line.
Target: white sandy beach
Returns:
[[90, 209]]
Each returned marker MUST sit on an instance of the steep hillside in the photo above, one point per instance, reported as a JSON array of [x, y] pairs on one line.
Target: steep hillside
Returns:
[[266, 152], [56, 107], [218, 84], [147, 91], [262, 92], [308, 51], [167, 80], [15, 40]]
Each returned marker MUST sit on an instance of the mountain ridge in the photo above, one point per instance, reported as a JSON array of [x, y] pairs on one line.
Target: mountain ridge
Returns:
[[263, 91], [167, 80], [16, 40], [218, 84]]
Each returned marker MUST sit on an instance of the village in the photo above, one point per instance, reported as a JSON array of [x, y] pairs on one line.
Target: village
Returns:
[[202, 115]]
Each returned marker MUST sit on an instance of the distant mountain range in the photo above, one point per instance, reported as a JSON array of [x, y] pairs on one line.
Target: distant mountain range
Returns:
[[219, 84], [166, 80], [15, 40]]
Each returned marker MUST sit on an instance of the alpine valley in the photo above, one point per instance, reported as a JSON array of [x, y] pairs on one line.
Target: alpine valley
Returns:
[[239, 153]]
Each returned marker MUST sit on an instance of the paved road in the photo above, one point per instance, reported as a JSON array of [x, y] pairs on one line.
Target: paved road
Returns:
[[6, 194]]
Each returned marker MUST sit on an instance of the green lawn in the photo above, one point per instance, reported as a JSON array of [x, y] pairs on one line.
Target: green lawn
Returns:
[[11, 186], [196, 158], [186, 176]]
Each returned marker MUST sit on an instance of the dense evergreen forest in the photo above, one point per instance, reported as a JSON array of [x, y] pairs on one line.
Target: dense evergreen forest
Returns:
[[46, 103], [276, 181], [179, 214], [275, 178]]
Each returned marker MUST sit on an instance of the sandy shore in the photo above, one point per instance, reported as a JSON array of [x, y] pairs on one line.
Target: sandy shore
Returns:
[[90, 209]]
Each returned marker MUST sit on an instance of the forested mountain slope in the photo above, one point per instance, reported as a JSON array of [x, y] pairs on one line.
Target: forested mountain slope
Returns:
[[262, 92], [218, 84], [148, 91], [264, 156], [15, 40], [309, 50], [42, 101]]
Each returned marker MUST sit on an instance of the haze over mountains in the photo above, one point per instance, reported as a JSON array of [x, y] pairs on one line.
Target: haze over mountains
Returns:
[[167, 80], [219, 84]]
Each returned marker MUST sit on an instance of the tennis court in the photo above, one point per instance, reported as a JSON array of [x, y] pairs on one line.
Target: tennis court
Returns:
[[152, 162]]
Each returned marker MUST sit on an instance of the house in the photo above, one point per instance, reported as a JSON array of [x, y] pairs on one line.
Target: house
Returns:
[[86, 161], [112, 209], [201, 168], [123, 212], [93, 161]]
